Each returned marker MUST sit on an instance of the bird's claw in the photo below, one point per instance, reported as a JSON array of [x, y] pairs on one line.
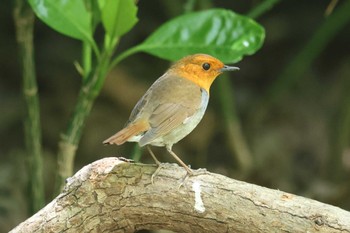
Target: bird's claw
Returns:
[[200, 171], [155, 173]]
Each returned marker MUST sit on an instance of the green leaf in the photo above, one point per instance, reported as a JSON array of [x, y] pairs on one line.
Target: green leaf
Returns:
[[69, 17], [118, 16], [218, 32]]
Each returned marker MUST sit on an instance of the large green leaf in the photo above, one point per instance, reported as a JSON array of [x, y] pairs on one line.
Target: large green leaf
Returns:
[[69, 17], [118, 16], [218, 32]]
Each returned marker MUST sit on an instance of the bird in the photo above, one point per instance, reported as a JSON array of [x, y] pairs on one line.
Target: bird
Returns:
[[173, 106]]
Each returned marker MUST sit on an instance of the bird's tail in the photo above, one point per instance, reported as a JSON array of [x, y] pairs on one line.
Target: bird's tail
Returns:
[[129, 131]]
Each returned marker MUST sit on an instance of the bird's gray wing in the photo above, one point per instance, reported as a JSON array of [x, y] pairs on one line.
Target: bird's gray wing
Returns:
[[164, 119]]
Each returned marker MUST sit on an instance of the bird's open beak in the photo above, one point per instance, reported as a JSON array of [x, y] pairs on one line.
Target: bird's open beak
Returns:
[[228, 68]]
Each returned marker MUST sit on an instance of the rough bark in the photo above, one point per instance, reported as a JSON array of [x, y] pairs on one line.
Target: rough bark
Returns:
[[113, 195]]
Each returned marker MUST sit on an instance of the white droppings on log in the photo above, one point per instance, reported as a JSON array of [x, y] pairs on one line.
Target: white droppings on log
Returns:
[[198, 202]]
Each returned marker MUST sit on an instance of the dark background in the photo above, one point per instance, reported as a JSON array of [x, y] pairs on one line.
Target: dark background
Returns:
[[297, 133]]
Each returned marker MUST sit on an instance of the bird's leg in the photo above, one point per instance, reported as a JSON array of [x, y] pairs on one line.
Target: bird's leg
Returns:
[[153, 156], [159, 164], [189, 172]]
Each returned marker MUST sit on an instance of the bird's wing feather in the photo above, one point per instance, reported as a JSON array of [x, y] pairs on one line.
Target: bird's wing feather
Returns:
[[138, 107], [164, 119], [126, 133], [176, 90]]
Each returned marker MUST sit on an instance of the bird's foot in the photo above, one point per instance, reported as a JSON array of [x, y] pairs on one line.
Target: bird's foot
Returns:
[[183, 181], [156, 172], [200, 171]]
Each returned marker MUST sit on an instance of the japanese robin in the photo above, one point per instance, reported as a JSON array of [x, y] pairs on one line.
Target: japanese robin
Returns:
[[173, 106]]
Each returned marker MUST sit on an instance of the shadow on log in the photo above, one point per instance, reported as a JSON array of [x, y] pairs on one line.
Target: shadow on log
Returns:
[[114, 195]]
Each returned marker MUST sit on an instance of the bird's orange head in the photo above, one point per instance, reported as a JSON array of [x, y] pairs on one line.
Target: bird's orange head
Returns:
[[201, 69]]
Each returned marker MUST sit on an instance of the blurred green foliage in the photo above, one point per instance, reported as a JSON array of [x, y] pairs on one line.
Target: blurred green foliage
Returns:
[[300, 143]]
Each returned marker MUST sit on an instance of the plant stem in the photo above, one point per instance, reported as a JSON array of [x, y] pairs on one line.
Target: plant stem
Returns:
[[189, 6], [24, 21], [335, 165], [70, 139], [87, 52], [137, 153], [262, 8], [124, 55], [238, 144]]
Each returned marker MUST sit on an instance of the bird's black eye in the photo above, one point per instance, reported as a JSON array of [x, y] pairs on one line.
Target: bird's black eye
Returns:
[[206, 66]]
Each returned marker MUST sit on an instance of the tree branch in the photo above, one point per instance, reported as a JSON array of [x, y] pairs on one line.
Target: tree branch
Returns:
[[113, 195]]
